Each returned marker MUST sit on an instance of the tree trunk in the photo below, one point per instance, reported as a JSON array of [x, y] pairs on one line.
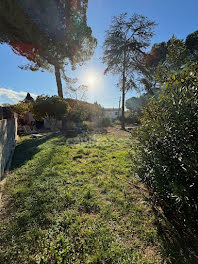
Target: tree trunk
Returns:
[[123, 104], [123, 91], [58, 81]]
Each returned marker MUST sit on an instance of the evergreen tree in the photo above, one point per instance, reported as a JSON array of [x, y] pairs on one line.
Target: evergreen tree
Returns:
[[124, 46], [49, 33]]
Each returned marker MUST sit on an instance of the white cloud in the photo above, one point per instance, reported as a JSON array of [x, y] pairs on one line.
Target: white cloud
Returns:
[[11, 97]]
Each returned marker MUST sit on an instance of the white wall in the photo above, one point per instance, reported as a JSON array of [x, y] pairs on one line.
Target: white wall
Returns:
[[8, 134], [112, 114]]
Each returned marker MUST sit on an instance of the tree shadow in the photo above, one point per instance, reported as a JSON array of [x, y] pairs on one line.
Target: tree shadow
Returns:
[[179, 246], [27, 149]]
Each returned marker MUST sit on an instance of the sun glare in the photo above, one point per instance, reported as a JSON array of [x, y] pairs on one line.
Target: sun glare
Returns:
[[91, 80]]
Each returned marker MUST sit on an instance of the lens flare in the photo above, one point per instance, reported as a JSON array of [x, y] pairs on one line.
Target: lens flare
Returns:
[[91, 80]]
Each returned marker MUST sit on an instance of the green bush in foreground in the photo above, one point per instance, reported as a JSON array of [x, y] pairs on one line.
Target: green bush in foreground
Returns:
[[167, 150]]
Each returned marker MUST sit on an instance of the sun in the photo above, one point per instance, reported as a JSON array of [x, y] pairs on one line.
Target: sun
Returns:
[[91, 79]]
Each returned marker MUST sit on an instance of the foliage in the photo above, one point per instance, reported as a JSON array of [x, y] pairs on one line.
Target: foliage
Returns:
[[167, 151], [95, 112], [22, 108], [176, 58], [135, 104], [83, 111], [191, 45], [124, 45], [165, 59], [28, 98], [48, 34], [105, 122], [50, 107], [74, 201], [131, 35], [77, 112], [133, 117], [148, 66]]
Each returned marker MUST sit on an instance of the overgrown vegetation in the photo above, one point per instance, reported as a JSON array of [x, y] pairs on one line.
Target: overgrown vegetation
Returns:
[[84, 111], [55, 107], [167, 151], [74, 201], [49, 107], [135, 106]]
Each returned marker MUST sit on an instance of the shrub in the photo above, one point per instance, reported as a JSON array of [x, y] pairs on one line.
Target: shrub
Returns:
[[83, 111], [105, 122], [101, 123], [22, 109], [166, 156], [133, 117], [117, 122], [50, 107], [88, 126]]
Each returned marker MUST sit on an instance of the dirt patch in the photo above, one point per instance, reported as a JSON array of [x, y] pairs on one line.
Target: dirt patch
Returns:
[[117, 131]]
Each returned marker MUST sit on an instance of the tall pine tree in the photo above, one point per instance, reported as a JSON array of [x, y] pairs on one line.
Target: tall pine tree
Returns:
[[124, 46], [49, 33]]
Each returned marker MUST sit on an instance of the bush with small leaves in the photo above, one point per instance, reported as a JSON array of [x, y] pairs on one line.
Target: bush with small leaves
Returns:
[[166, 156]]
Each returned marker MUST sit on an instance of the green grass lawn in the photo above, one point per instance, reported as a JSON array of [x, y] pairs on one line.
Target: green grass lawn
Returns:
[[77, 202]]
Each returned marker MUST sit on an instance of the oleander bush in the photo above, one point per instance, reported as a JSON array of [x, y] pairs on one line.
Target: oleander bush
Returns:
[[166, 156]]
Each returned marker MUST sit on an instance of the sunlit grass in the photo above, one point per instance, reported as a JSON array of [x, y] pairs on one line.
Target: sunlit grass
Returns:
[[75, 203]]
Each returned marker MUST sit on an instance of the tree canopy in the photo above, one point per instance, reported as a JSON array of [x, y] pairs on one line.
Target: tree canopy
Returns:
[[125, 44], [167, 59], [48, 33], [136, 104], [192, 45]]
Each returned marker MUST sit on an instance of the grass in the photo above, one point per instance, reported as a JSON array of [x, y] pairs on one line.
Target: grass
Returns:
[[75, 201]]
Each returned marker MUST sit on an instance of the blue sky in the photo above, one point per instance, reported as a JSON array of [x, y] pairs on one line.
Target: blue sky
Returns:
[[177, 17]]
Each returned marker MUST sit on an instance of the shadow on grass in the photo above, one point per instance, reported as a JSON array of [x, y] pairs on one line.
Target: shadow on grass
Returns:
[[180, 246], [27, 149]]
